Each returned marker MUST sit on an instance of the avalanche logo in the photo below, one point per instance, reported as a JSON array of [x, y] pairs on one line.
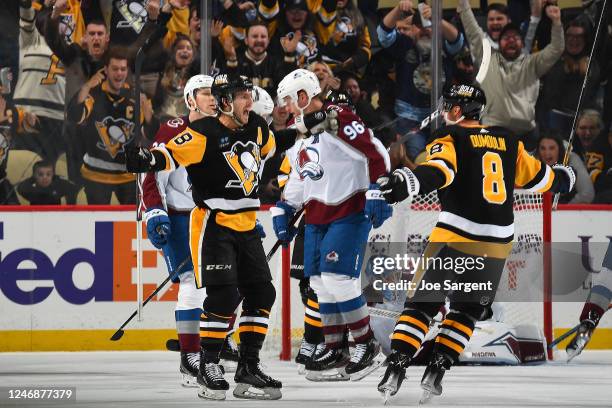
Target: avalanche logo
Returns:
[[244, 159], [114, 133], [332, 257], [307, 163]]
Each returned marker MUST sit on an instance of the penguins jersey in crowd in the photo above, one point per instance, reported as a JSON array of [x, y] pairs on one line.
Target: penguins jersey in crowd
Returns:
[[330, 173], [169, 189], [107, 124], [41, 81], [223, 165], [475, 170], [598, 163]]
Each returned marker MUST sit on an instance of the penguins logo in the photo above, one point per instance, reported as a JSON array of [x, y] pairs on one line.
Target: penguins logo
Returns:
[[244, 160], [114, 133], [307, 163]]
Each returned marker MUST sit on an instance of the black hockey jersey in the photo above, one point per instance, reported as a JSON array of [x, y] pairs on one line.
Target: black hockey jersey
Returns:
[[106, 121], [224, 166], [475, 170]]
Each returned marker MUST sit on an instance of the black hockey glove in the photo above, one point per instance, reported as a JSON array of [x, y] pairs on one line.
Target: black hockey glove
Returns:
[[317, 122], [138, 159], [399, 185]]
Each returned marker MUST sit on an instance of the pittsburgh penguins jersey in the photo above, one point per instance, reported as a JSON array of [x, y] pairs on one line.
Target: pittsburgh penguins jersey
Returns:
[[127, 21], [224, 166], [331, 173], [168, 189], [598, 163], [107, 124], [475, 170], [41, 83]]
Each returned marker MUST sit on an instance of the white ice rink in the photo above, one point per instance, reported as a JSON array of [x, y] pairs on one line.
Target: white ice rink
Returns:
[[151, 379]]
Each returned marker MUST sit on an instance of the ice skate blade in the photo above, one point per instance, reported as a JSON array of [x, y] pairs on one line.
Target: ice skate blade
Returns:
[[247, 391], [335, 374], [386, 394], [359, 375], [206, 393], [425, 398], [189, 381], [301, 369]]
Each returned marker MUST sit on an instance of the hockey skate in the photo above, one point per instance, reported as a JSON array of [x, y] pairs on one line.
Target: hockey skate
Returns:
[[229, 354], [327, 364], [391, 381], [306, 352], [211, 381], [580, 340], [366, 359], [190, 363], [252, 383], [431, 383]]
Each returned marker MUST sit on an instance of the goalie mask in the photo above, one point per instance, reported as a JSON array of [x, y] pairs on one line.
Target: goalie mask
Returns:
[[469, 98]]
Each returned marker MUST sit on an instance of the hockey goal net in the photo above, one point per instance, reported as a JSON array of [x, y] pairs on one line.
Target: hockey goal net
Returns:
[[524, 276]]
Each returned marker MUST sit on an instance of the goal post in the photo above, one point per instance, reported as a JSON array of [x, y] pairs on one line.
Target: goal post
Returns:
[[526, 269]]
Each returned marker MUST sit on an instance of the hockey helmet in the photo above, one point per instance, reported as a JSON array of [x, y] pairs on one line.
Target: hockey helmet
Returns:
[[195, 82], [226, 85], [339, 98], [469, 98], [263, 105], [298, 80]]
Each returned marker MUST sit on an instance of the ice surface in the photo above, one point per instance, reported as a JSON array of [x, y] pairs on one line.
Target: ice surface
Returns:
[[151, 379]]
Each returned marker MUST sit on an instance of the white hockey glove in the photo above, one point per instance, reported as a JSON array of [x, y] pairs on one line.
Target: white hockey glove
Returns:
[[399, 185], [570, 176]]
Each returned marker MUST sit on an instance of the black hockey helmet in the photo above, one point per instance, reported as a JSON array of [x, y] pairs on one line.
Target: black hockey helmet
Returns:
[[339, 98], [469, 98], [226, 85]]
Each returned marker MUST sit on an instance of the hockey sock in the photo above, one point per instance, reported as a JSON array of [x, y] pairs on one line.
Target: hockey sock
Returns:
[[410, 331], [187, 313], [454, 335], [355, 314], [591, 312], [213, 329], [253, 327], [313, 327], [188, 329]]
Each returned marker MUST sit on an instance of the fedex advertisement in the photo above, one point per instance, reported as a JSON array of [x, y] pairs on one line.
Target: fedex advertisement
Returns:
[[76, 271], [68, 278]]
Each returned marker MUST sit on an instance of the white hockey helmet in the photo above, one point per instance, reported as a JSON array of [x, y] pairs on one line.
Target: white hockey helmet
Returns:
[[196, 82], [263, 105], [298, 80]]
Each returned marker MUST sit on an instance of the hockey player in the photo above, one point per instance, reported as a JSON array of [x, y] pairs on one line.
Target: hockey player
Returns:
[[330, 176], [596, 305], [167, 198], [222, 158], [474, 168]]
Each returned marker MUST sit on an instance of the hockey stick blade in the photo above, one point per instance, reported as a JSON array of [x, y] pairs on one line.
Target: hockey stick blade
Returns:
[[563, 337], [119, 333], [173, 345]]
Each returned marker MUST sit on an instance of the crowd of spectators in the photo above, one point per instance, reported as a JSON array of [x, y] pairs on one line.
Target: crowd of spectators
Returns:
[[69, 106]]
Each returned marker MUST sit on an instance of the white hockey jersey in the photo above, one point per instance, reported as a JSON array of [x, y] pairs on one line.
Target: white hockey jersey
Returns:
[[41, 82], [169, 189], [331, 172]]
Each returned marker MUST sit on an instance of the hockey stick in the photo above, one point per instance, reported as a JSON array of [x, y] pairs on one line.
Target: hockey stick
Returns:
[[563, 337], [119, 333], [568, 151], [173, 344]]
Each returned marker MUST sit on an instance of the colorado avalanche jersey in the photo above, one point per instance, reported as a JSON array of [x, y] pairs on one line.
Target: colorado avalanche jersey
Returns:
[[331, 172], [169, 189]]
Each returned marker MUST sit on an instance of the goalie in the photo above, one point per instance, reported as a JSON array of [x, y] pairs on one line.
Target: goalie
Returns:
[[474, 168]]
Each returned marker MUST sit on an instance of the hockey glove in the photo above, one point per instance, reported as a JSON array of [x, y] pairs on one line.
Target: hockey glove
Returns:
[[399, 185], [376, 208], [158, 227], [317, 122], [138, 159], [282, 213], [569, 178], [260, 229]]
